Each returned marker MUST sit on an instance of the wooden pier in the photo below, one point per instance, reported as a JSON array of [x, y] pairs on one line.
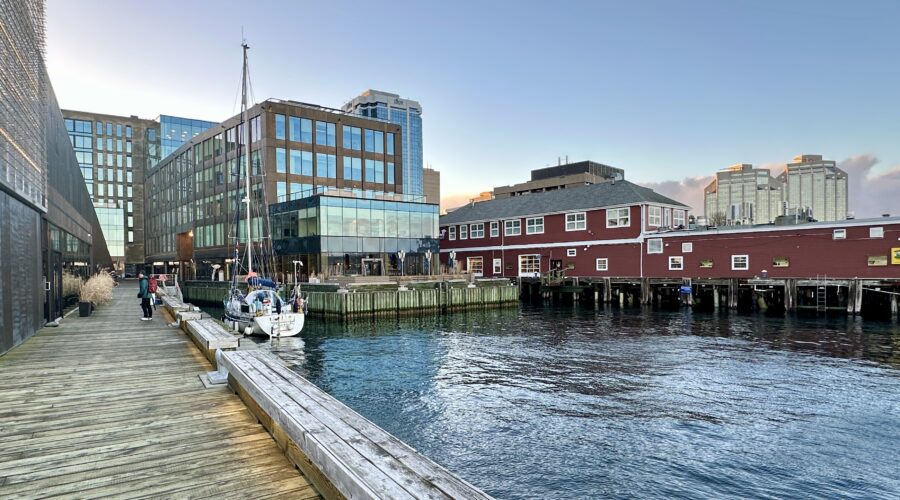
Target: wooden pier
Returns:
[[113, 406]]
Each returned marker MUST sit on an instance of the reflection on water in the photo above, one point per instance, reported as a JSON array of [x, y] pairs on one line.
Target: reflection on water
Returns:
[[565, 402]]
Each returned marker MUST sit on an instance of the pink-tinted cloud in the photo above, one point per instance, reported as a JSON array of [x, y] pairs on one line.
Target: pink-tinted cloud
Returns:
[[688, 190], [872, 193]]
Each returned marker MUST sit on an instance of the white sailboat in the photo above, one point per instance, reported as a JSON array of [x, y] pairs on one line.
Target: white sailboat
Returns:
[[259, 310]]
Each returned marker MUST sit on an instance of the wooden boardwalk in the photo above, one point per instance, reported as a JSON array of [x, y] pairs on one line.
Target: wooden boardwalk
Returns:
[[113, 406]]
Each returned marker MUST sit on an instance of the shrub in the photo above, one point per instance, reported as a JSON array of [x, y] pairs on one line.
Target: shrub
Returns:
[[98, 288], [71, 284]]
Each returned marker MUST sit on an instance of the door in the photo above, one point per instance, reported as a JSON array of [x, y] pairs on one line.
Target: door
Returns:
[[530, 266]]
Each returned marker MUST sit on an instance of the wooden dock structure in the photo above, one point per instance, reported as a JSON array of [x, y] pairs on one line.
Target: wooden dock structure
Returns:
[[113, 406]]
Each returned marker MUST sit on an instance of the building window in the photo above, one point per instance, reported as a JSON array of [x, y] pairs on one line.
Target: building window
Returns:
[[676, 263], [706, 263], [576, 222], [618, 217], [325, 134], [475, 265], [781, 262], [279, 127], [352, 138], [390, 172], [301, 130], [390, 143], [302, 163], [352, 168], [326, 165], [876, 232], [678, 218], [452, 233], [839, 234], [280, 161], [740, 262], [534, 225], [654, 216], [529, 265], [512, 227], [687, 247], [374, 141], [571, 252], [498, 266], [463, 232], [495, 229], [476, 230], [602, 264], [654, 245]]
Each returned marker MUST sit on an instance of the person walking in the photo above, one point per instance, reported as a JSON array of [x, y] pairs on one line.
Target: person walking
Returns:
[[144, 295]]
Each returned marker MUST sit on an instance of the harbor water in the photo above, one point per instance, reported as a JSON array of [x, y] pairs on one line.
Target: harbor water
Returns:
[[581, 403]]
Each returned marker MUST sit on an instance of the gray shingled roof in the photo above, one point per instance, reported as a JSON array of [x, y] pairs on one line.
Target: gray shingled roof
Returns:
[[606, 194]]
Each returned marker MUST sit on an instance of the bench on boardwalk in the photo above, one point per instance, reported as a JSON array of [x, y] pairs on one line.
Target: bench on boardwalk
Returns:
[[174, 305], [344, 454], [210, 337]]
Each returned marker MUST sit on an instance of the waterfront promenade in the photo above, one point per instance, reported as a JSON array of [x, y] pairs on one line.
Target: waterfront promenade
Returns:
[[113, 406]]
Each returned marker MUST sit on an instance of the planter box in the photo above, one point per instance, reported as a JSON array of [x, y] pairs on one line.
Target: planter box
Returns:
[[85, 309]]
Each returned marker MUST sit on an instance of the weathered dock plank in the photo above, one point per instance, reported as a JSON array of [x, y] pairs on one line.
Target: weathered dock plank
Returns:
[[113, 406]]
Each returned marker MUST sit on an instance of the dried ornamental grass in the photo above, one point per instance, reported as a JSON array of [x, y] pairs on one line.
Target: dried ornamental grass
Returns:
[[98, 288], [71, 284]]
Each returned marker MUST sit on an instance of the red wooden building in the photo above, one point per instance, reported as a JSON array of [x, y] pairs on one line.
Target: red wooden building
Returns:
[[621, 230]]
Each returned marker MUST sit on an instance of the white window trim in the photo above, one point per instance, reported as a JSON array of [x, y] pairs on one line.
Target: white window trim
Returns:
[[571, 252], [604, 261], [498, 266], [679, 218], [841, 232], [876, 232], [452, 233], [654, 216], [746, 259], [470, 260], [608, 218], [530, 274], [654, 240], [506, 228], [575, 222], [464, 232], [527, 229], [472, 230], [687, 247], [676, 258], [495, 229]]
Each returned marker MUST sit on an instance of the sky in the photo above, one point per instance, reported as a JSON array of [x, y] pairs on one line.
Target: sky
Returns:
[[668, 91]]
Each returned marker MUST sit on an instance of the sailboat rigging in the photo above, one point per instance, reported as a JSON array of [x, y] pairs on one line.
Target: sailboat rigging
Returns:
[[260, 310]]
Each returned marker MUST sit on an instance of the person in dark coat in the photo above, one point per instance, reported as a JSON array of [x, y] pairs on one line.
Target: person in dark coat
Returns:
[[144, 295]]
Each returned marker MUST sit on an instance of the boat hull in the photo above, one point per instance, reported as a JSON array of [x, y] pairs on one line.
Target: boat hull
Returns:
[[279, 325]]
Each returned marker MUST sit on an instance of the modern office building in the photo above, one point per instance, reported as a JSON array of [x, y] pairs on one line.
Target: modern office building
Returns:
[[114, 152], [817, 185], [431, 182], [406, 113], [47, 224], [296, 151], [561, 177], [741, 194]]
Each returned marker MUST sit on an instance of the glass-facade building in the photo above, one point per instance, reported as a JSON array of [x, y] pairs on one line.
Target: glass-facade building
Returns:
[[406, 113], [354, 233], [295, 151], [114, 152], [818, 186]]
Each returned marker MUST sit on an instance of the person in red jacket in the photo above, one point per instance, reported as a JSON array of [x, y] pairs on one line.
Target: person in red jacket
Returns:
[[152, 288]]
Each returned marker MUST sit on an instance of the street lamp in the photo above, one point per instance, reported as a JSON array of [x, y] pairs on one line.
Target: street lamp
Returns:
[[296, 277], [401, 255]]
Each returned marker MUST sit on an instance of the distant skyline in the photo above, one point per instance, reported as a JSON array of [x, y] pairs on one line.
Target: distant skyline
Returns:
[[668, 91]]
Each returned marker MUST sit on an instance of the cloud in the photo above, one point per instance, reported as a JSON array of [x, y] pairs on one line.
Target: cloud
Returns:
[[688, 190], [872, 193]]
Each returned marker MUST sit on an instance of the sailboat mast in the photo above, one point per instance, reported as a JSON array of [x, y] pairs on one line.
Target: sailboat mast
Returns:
[[247, 155]]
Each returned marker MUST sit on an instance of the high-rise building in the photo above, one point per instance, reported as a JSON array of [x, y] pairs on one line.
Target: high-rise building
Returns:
[[328, 182], [817, 185], [114, 152], [406, 113], [741, 194], [431, 182]]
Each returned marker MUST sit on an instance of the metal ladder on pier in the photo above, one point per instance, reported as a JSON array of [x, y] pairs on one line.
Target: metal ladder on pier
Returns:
[[821, 293]]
